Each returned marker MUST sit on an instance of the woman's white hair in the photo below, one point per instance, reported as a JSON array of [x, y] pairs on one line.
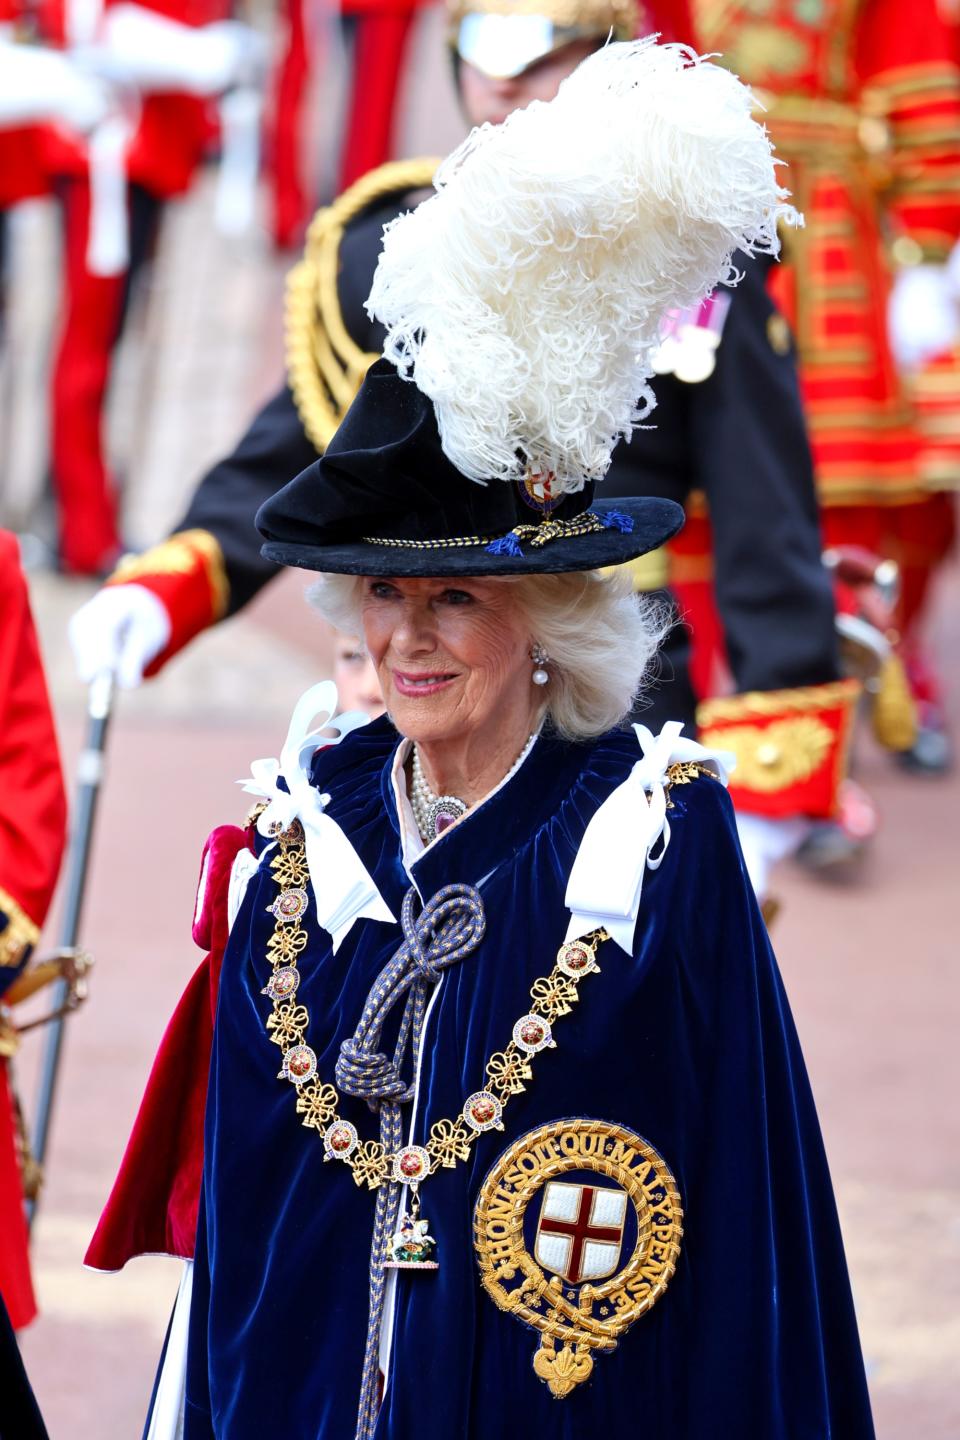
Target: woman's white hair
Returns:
[[599, 635]]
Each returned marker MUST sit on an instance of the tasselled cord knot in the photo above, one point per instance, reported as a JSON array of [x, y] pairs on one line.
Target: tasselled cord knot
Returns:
[[448, 928]]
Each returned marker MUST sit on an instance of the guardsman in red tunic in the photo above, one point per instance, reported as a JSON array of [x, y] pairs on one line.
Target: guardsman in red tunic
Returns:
[[930, 364], [176, 55], [32, 831], [22, 173], [863, 102], [39, 87]]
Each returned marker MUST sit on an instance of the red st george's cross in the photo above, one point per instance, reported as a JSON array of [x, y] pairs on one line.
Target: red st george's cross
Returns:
[[581, 1230]]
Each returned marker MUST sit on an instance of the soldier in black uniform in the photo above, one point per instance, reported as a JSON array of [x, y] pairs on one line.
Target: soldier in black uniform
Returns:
[[738, 437]]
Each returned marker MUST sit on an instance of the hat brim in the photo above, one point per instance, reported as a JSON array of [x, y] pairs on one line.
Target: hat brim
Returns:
[[655, 521]]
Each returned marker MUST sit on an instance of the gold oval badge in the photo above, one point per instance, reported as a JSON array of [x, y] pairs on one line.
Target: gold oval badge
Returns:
[[577, 1230]]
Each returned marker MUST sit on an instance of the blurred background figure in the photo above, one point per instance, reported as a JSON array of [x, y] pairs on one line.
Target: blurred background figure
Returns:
[[372, 41], [109, 110], [165, 64], [355, 676], [123, 99], [744, 447], [32, 834], [863, 103]]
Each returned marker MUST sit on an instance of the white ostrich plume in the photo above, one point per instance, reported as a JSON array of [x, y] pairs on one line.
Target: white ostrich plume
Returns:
[[525, 298]]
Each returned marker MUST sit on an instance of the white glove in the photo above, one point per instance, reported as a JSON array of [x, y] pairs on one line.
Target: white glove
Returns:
[[37, 84], [765, 842], [240, 123], [121, 629], [922, 315]]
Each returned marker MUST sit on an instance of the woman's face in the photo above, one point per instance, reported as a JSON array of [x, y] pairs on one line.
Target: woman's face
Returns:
[[355, 676], [452, 656]]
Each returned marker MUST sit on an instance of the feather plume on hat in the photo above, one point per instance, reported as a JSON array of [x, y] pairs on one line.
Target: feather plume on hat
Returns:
[[525, 298]]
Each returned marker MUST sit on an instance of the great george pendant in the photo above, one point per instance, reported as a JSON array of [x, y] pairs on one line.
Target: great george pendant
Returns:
[[412, 1246]]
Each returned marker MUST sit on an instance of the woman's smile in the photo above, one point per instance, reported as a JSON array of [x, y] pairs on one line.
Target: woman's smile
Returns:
[[409, 682]]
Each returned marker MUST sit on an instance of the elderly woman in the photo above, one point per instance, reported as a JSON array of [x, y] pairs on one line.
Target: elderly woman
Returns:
[[507, 1129]]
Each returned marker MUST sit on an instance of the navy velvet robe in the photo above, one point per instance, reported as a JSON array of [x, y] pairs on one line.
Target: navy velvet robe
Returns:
[[690, 1043]]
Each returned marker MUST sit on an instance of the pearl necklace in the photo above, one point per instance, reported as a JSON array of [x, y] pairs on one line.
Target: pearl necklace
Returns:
[[435, 813]]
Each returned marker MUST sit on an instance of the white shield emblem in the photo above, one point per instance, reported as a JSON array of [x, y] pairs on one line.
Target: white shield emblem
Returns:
[[580, 1230]]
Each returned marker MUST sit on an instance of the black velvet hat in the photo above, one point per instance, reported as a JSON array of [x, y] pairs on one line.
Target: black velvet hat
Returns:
[[522, 305], [385, 500]]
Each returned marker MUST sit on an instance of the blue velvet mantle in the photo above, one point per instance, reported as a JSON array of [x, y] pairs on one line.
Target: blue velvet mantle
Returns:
[[690, 1043]]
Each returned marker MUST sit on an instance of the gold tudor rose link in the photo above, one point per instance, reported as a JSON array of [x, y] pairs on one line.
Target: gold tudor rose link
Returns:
[[507, 1070]]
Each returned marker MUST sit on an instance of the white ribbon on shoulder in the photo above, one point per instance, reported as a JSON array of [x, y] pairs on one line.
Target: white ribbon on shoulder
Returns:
[[607, 876], [343, 889]]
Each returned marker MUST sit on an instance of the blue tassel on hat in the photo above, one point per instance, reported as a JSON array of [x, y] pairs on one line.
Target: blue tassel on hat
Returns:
[[507, 545]]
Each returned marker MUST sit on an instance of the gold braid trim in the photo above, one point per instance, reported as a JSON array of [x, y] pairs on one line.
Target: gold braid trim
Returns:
[[796, 741], [35, 977], [9, 1039], [325, 365], [914, 80], [804, 698], [20, 932], [180, 555], [538, 535], [777, 756]]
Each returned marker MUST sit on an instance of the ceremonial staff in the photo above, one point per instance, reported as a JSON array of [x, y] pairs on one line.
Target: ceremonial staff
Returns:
[[89, 777]]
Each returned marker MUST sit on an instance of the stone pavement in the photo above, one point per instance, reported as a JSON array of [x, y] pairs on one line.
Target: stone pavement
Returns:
[[871, 966]]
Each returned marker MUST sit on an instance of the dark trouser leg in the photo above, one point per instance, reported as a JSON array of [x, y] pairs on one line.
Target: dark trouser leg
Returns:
[[379, 52], [94, 310]]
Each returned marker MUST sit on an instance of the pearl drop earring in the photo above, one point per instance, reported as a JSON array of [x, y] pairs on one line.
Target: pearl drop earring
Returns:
[[539, 657]]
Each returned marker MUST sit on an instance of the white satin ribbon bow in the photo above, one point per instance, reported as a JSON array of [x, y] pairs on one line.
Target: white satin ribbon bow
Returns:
[[343, 889], [607, 876]]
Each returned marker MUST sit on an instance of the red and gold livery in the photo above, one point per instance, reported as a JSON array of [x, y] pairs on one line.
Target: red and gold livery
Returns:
[[188, 576], [863, 102], [791, 746], [32, 833]]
